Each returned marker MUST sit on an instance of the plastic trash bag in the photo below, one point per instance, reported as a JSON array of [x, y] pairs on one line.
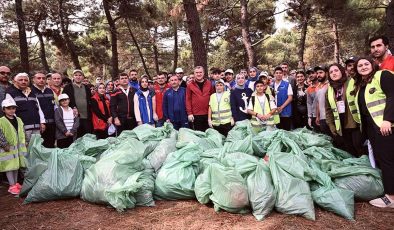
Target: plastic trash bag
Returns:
[[175, 180], [159, 155], [225, 187], [209, 139]]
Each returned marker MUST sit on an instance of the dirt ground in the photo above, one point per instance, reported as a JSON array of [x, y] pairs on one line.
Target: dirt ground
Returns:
[[77, 214]]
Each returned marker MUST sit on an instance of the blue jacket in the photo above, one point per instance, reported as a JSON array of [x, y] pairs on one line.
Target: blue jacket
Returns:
[[143, 107], [134, 84], [237, 101], [174, 105], [281, 97]]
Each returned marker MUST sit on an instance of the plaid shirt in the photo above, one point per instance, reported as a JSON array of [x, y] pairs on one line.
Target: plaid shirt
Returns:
[[3, 141]]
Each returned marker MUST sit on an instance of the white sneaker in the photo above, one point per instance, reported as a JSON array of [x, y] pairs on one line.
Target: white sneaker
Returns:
[[383, 202]]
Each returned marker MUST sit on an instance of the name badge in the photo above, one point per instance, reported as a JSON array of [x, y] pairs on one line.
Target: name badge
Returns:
[[341, 106]]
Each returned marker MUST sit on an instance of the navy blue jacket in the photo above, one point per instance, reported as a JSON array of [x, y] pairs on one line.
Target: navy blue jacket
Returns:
[[47, 103], [174, 105], [237, 101]]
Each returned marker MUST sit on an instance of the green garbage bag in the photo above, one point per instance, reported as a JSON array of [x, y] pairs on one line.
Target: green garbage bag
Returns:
[[241, 130], [244, 145], [290, 175], [209, 139], [357, 175], [262, 141], [330, 197], [159, 155], [308, 138], [117, 177], [36, 162], [175, 180], [62, 179], [88, 145], [144, 195], [225, 187], [261, 191]]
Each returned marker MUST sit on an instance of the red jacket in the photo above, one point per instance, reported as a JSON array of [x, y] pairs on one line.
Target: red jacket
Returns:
[[388, 63], [197, 101], [159, 94], [98, 112]]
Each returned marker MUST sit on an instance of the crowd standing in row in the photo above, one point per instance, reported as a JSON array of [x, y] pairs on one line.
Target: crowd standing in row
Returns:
[[351, 104]]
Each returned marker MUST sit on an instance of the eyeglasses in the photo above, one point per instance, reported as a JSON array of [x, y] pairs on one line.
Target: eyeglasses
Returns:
[[5, 73]]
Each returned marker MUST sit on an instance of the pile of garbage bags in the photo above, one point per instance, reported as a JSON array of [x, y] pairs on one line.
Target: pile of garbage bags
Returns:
[[241, 173]]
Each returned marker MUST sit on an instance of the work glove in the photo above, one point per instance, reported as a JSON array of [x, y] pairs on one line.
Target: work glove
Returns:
[[190, 118]]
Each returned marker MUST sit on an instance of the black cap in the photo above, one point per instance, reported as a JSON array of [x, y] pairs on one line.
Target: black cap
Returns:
[[310, 70], [320, 67], [351, 59]]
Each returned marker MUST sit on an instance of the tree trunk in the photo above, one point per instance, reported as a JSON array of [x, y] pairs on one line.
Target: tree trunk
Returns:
[[23, 47], [175, 46], [114, 40], [390, 25], [138, 48], [336, 42], [156, 50], [43, 56], [195, 32], [69, 43], [301, 49], [245, 34]]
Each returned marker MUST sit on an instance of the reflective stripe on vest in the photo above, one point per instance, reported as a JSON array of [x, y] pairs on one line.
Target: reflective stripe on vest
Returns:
[[375, 99], [267, 109], [13, 156], [333, 106], [351, 101], [221, 112], [34, 126]]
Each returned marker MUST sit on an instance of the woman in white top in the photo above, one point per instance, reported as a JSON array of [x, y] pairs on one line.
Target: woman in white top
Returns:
[[145, 103]]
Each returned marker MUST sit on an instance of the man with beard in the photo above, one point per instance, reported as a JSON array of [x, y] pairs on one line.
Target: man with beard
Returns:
[[5, 72], [311, 99], [133, 79], [160, 88], [179, 73], [321, 91], [380, 52], [349, 67]]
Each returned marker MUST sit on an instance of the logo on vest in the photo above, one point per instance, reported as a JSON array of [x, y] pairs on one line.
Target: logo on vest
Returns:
[[225, 99], [372, 90]]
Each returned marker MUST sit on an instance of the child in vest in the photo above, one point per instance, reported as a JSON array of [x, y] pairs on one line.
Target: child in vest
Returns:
[[66, 123], [219, 111], [262, 107], [13, 153]]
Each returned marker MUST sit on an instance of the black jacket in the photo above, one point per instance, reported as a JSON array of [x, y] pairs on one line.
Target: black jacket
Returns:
[[122, 106]]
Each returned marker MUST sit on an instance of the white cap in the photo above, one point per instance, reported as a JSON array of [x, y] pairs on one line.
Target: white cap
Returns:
[[219, 81], [263, 73], [78, 71], [178, 70], [8, 102], [21, 75], [63, 96], [229, 71]]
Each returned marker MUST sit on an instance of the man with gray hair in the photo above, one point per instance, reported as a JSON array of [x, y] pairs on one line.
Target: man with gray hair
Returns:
[[28, 109]]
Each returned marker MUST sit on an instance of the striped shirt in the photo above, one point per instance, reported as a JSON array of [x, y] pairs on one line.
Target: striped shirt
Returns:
[[68, 118]]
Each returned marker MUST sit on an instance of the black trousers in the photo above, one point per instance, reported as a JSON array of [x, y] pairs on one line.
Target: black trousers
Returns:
[[285, 123], [382, 147], [351, 141], [126, 124], [85, 126], [65, 142], [324, 128], [101, 134], [223, 129], [200, 123], [49, 136]]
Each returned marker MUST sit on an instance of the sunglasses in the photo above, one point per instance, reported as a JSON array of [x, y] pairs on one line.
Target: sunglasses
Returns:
[[5, 73]]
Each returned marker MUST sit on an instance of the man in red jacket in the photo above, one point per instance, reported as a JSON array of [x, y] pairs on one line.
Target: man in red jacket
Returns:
[[197, 100], [160, 88], [380, 51]]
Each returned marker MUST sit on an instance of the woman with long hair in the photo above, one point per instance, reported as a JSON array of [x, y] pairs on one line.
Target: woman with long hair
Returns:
[[375, 99], [101, 116], [145, 103], [340, 117]]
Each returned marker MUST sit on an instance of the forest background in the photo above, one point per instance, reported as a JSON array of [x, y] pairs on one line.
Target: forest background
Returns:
[[106, 37]]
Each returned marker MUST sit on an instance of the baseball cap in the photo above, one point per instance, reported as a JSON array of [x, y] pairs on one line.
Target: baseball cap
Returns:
[[178, 70], [320, 67], [63, 96], [310, 70], [78, 71], [229, 71], [8, 102], [219, 81], [350, 59], [263, 73]]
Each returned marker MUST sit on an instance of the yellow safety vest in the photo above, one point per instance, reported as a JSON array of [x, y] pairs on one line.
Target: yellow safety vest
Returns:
[[221, 112], [375, 99], [334, 109], [15, 158], [273, 120], [351, 101]]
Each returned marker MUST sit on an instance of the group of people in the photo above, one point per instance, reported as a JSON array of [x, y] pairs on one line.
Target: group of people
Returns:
[[351, 103]]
